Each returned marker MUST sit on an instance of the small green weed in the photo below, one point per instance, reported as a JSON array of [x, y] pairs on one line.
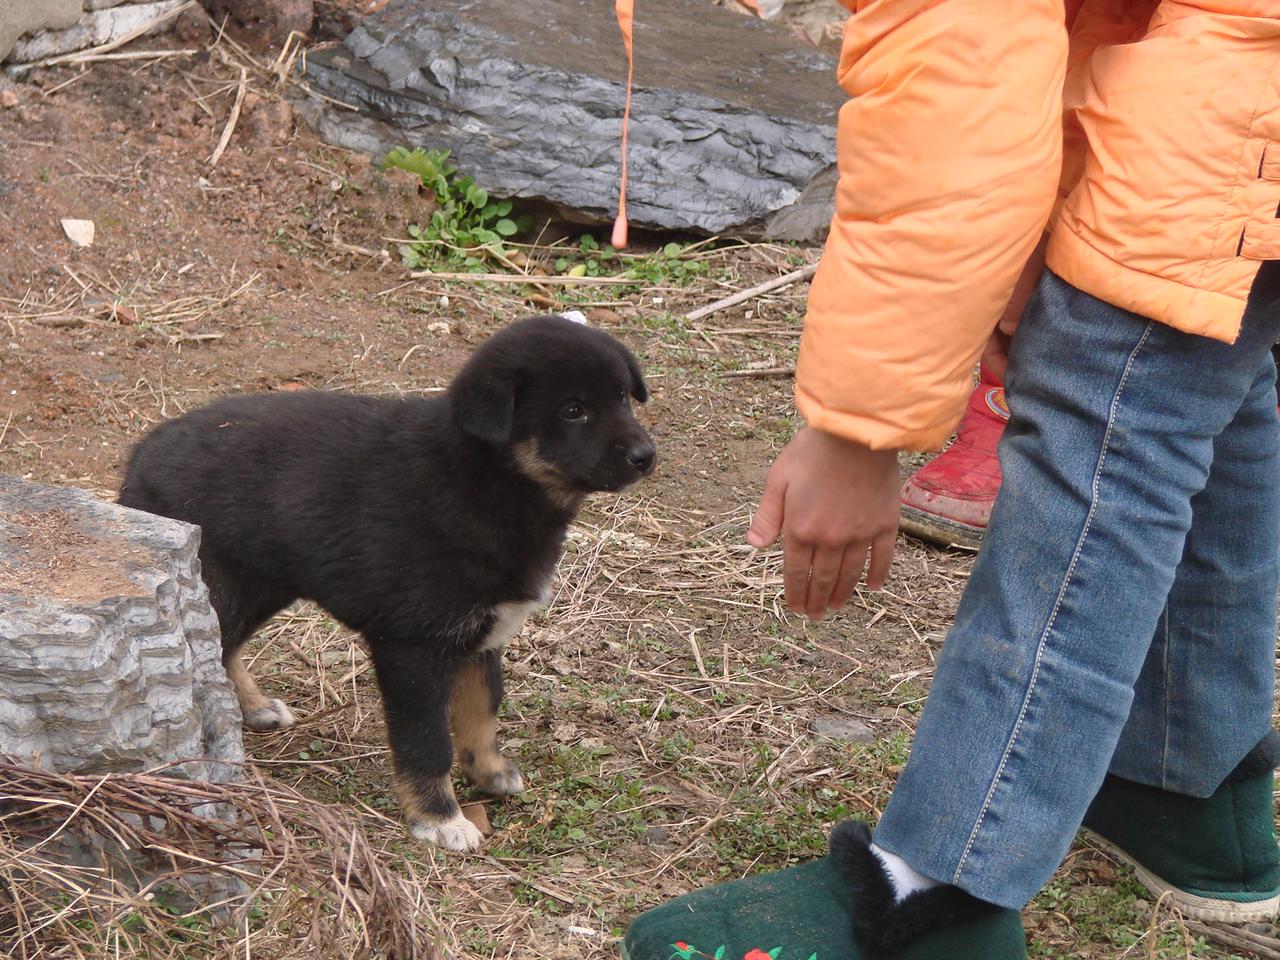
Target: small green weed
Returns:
[[764, 830], [592, 259], [1115, 917], [675, 747], [668, 264], [181, 925], [466, 226]]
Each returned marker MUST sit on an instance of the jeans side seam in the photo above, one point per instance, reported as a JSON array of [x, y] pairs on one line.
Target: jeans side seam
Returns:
[[1057, 605], [1164, 696]]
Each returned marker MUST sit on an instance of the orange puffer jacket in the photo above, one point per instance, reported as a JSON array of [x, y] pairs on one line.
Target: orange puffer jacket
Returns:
[[952, 164]]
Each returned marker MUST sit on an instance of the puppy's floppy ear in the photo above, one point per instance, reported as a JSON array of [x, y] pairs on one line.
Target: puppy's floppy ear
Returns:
[[639, 389], [483, 404]]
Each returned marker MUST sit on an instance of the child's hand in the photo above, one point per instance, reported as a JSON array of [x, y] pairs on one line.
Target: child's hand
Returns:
[[995, 355], [833, 500]]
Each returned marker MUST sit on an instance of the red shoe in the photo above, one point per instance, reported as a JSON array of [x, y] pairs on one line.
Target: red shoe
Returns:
[[948, 502]]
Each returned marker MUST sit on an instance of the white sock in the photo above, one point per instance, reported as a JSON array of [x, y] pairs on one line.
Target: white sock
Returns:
[[902, 875]]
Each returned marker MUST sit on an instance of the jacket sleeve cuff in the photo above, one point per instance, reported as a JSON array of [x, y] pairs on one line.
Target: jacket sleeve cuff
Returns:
[[875, 433]]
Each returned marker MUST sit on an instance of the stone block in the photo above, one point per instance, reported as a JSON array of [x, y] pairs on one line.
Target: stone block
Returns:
[[110, 656]]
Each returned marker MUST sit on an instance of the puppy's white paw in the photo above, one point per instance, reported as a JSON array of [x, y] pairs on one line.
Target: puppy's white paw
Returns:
[[274, 715], [503, 783], [456, 833]]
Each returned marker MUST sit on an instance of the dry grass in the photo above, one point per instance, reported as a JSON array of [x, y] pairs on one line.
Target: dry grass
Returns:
[[213, 870], [145, 302]]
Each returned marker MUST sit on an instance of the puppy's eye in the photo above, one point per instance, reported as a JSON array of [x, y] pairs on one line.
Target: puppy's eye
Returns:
[[574, 412]]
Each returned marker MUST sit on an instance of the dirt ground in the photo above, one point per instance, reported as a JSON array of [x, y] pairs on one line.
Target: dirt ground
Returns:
[[662, 707]]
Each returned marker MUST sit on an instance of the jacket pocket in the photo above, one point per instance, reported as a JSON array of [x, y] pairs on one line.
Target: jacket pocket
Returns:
[[1269, 168], [1261, 240]]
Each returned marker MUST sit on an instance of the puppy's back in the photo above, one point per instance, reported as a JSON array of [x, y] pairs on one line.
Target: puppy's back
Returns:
[[230, 465]]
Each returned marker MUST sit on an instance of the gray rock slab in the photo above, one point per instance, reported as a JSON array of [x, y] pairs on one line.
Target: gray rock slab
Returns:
[[110, 658], [842, 728], [732, 128], [657, 836], [18, 17], [98, 22]]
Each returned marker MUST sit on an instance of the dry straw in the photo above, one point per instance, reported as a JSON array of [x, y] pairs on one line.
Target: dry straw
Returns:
[[296, 877]]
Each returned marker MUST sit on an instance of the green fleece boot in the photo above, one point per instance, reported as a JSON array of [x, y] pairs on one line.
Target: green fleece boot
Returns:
[[840, 907], [1216, 857]]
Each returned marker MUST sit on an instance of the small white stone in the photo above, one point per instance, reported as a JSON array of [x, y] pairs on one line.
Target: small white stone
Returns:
[[79, 232], [576, 316]]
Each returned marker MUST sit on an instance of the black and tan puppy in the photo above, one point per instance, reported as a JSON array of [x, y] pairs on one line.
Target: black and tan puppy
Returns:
[[431, 526]]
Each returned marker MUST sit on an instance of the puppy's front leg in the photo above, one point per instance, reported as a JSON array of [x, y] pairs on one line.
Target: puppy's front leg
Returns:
[[415, 698], [477, 694]]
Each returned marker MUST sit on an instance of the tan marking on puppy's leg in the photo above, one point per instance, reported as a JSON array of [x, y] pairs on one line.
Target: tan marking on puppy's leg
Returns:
[[545, 475], [260, 712], [475, 733], [432, 813]]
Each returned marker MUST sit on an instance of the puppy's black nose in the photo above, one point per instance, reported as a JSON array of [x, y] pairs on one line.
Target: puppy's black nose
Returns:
[[641, 456]]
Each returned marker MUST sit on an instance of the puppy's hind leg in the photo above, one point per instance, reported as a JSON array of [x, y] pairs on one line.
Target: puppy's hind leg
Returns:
[[476, 696], [241, 609], [415, 698], [260, 712]]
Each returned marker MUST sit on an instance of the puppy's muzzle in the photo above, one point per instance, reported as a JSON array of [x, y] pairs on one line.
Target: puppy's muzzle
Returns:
[[642, 457]]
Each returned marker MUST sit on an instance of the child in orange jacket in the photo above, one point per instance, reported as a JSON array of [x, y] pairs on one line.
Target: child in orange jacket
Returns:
[[1112, 660]]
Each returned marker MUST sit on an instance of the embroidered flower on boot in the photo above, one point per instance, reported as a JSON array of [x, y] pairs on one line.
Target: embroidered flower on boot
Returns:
[[685, 951]]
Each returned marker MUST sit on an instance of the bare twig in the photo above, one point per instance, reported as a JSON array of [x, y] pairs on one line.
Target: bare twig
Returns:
[[359, 251], [135, 55], [531, 884], [1237, 938], [767, 373], [804, 273], [66, 83], [520, 278], [231, 120]]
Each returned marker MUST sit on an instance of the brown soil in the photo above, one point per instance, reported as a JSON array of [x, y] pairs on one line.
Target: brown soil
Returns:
[[56, 561]]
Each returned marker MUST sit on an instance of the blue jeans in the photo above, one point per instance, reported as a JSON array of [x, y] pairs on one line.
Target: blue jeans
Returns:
[[1121, 615]]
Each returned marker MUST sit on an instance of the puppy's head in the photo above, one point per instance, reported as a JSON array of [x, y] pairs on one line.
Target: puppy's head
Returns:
[[558, 395]]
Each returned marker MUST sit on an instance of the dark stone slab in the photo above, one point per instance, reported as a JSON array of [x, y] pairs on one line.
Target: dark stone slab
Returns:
[[732, 127]]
